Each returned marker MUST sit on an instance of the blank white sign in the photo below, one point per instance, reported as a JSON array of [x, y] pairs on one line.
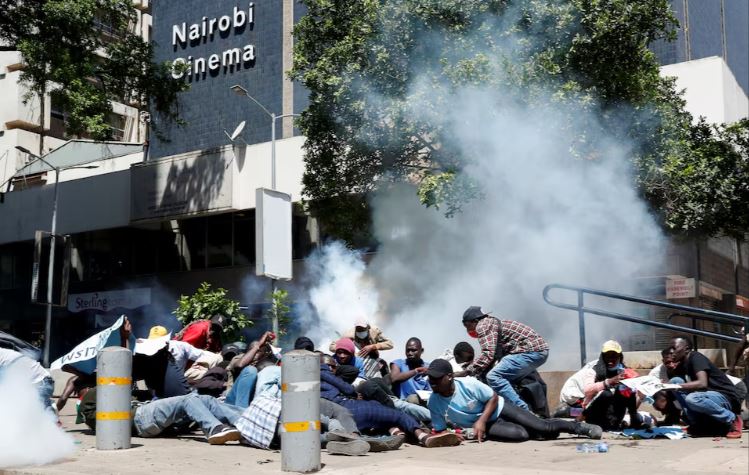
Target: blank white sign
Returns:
[[273, 234]]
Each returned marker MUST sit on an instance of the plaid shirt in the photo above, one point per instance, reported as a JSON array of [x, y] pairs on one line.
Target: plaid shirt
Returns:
[[259, 421], [514, 337]]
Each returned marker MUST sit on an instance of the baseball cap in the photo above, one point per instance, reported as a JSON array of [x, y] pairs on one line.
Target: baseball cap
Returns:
[[439, 368], [361, 322], [474, 313], [611, 345], [219, 320], [157, 332]]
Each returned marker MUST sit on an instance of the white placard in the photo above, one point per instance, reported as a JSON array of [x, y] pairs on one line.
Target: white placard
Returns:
[[273, 234]]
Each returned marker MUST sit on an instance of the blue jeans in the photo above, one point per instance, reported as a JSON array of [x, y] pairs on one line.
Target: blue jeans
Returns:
[[513, 368], [709, 404], [243, 389], [153, 418], [420, 413]]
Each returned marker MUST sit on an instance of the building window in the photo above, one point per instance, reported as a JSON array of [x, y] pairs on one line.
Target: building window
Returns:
[[220, 237], [244, 238], [193, 243]]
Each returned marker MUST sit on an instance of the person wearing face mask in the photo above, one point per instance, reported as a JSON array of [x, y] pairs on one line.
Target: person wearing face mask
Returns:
[[369, 341], [607, 400], [518, 349]]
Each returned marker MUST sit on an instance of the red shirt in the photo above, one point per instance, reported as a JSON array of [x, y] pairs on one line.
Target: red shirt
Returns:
[[197, 334]]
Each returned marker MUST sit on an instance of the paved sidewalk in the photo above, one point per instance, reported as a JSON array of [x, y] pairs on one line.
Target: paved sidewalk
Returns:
[[188, 455]]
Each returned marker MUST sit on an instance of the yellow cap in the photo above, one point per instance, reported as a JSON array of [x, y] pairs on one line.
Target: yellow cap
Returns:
[[611, 345], [157, 332]]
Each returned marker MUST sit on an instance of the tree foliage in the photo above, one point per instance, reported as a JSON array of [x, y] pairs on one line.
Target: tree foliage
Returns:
[[280, 310], [85, 54], [206, 302], [365, 61]]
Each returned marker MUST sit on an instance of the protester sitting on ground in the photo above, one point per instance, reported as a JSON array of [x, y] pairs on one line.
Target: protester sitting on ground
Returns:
[[607, 400], [667, 369], [573, 392], [258, 357], [344, 352], [469, 403], [204, 334], [215, 419], [183, 352], [369, 341], [709, 400], [75, 386], [741, 358], [664, 402], [409, 375], [20, 365], [373, 416], [522, 351], [459, 357], [304, 343]]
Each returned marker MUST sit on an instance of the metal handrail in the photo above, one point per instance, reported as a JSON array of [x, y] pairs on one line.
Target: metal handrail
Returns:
[[582, 310]]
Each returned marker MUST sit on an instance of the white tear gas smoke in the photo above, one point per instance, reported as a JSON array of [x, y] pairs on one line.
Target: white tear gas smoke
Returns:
[[546, 216], [29, 435], [339, 292]]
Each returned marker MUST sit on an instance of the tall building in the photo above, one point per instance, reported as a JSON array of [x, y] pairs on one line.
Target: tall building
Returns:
[[710, 57]]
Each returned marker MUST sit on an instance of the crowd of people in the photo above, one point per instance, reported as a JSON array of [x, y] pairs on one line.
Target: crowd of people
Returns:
[[232, 392]]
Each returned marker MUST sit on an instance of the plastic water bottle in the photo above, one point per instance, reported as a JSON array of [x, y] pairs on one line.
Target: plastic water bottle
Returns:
[[601, 447]]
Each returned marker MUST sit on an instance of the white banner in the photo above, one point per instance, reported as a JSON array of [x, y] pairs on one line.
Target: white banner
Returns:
[[109, 300], [83, 356]]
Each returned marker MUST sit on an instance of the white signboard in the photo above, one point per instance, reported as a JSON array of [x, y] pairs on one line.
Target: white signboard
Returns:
[[273, 234], [106, 301], [680, 288]]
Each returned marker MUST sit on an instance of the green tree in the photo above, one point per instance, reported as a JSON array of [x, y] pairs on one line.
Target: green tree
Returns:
[[206, 302], [280, 310], [84, 53], [360, 61]]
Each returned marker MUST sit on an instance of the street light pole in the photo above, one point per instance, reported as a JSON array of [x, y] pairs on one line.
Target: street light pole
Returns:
[[240, 91], [52, 243]]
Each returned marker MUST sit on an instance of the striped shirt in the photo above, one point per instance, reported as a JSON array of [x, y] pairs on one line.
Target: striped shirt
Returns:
[[514, 337]]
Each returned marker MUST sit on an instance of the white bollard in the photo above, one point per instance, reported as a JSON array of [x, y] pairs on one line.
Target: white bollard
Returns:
[[114, 367], [300, 412]]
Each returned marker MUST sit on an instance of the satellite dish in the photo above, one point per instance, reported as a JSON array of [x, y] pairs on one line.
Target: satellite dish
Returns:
[[237, 131]]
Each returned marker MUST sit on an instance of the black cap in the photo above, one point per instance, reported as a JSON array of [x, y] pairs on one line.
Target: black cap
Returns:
[[219, 320], [233, 348], [439, 368], [304, 343], [474, 313]]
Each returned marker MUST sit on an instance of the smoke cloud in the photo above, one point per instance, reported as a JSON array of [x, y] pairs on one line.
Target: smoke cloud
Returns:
[[29, 435], [546, 215]]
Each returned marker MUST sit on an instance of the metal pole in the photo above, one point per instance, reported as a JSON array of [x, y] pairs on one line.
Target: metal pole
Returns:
[[300, 412], [273, 151], [50, 272], [114, 367], [273, 283], [581, 320]]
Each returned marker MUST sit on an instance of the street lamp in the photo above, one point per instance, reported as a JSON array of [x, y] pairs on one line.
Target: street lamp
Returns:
[[240, 91], [51, 268]]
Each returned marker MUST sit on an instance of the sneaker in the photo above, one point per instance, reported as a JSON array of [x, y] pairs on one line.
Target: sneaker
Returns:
[[353, 447], [445, 439], [222, 434], [736, 427], [591, 431], [382, 444], [341, 436]]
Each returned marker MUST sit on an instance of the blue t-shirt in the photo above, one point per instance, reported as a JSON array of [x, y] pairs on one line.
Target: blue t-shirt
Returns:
[[415, 383], [358, 363], [465, 406]]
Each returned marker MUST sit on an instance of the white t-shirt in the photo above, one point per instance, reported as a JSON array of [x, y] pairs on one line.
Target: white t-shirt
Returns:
[[22, 364], [183, 352]]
